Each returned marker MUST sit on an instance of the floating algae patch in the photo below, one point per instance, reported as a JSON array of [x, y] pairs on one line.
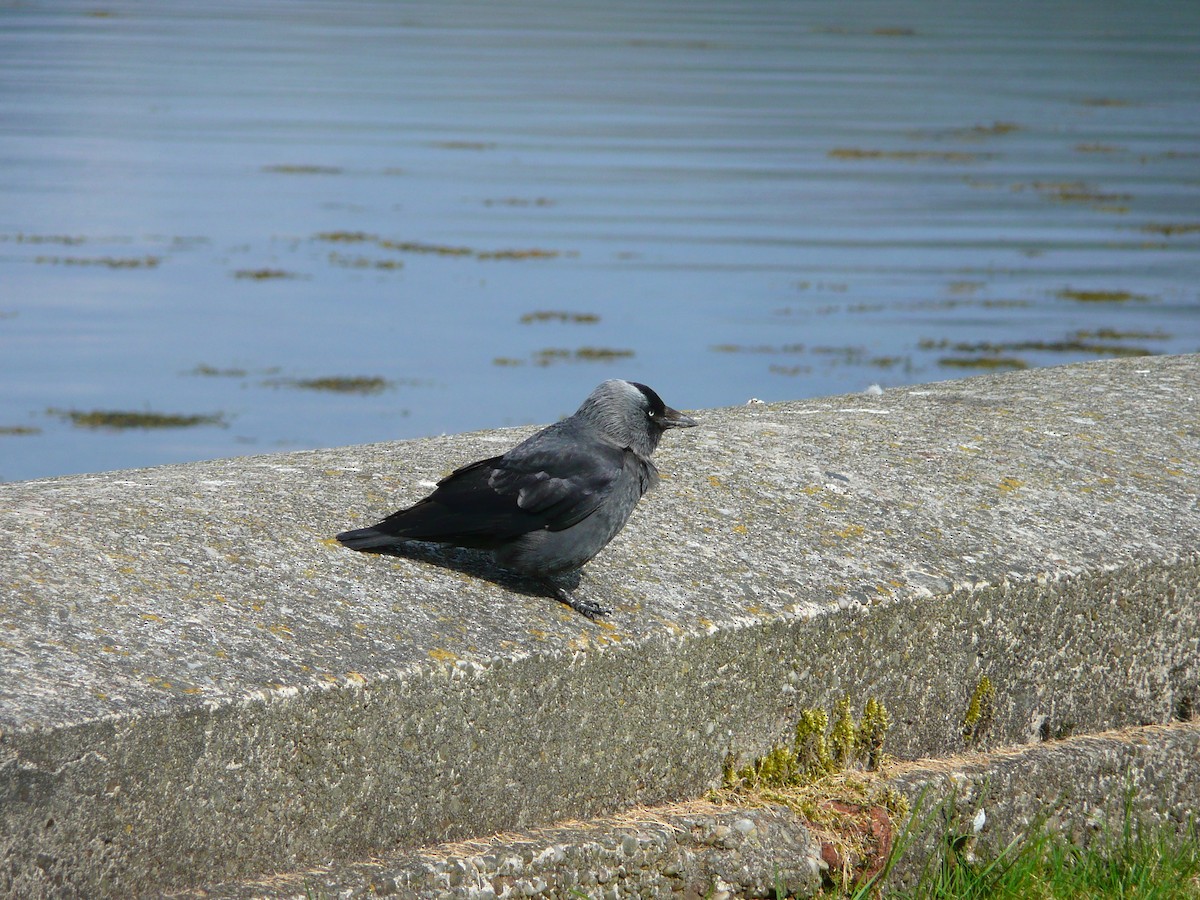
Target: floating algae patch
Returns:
[[67, 240], [213, 372], [18, 430], [463, 145], [519, 201], [757, 348], [601, 354], [982, 362], [1068, 293], [855, 153], [419, 247], [1073, 345], [551, 355], [1082, 193], [302, 169], [345, 237], [263, 274], [357, 237], [996, 128], [1112, 334], [110, 262], [531, 253], [555, 315], [121, 420], [973, 132], [361, 384], [364, 262], [1170, 229]]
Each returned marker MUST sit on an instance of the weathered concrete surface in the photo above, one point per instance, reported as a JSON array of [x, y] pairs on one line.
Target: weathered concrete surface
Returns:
[[1086, 787], [195, 679], [692, 850]]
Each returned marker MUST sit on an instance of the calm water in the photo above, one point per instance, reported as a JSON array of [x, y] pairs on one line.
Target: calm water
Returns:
[[213, 209]]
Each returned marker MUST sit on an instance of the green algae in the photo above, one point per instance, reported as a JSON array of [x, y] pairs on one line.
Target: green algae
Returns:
[[122, 420]]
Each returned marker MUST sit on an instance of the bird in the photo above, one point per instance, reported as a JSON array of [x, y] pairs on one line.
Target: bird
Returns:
[[552, 502]]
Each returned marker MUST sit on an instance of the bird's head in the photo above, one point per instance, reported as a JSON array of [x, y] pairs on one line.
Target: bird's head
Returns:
[[632, 414]]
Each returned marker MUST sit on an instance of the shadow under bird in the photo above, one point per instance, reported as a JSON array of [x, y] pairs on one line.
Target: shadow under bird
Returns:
[[552, 502]]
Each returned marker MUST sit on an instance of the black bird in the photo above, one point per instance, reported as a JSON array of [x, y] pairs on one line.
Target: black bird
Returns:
[[552, 502]]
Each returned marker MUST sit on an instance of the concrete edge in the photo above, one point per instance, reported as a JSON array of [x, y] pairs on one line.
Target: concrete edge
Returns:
[[1087, 787]]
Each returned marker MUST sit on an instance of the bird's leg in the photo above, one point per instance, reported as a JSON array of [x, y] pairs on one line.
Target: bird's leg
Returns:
[[586, 608]]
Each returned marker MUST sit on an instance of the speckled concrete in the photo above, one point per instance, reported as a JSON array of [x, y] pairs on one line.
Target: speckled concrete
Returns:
[[195, 678], [694, 850], [1088, 788]]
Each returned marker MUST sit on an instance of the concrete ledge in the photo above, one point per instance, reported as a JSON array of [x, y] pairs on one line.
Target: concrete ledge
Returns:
[[1080, 786], [199, 685]]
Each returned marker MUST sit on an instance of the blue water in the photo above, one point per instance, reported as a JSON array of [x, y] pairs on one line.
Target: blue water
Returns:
[[756, 199]]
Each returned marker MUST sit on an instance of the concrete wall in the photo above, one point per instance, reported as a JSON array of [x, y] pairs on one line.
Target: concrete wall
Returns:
[[197, 683]]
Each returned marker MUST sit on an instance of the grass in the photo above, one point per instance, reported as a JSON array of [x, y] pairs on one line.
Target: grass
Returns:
[[1046, 865]]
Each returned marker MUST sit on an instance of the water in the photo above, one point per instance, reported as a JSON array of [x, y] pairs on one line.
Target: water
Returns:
[[203, 208]]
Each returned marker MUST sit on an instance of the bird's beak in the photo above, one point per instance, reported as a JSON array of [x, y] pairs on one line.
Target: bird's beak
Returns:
[[673, 418]]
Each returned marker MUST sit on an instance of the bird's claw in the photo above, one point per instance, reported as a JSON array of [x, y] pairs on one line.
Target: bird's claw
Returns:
[[587, 608]]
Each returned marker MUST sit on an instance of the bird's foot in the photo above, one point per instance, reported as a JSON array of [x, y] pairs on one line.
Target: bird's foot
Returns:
[[588, 608]]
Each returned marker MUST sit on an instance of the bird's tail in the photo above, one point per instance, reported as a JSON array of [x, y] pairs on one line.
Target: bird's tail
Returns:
[[366, 538]]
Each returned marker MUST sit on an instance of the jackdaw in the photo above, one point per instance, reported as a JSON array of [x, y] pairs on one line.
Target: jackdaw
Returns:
[[552, 502]]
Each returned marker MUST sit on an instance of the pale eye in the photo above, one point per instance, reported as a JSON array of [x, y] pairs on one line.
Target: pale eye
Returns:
[[650, 413]]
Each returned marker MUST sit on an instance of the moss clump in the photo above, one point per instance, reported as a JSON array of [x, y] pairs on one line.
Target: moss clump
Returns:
[[981, 711], [816, 750], [821, 775]]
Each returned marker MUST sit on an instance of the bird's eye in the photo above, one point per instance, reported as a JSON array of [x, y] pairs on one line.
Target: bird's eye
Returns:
[[650, 413]]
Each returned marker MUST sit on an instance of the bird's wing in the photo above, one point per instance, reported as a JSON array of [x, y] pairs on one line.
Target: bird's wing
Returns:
[[557, 487], [551, 485]]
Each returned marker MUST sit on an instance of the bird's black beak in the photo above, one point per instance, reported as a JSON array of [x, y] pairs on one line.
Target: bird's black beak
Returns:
[[673, 418]]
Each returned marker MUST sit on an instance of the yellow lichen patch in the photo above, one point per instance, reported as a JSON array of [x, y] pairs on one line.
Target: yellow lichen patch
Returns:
[[443, 655], [356, 677], [1008, 485], [740, 529], [280, 630], [714, 481], [850, 531], [152, 617]]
